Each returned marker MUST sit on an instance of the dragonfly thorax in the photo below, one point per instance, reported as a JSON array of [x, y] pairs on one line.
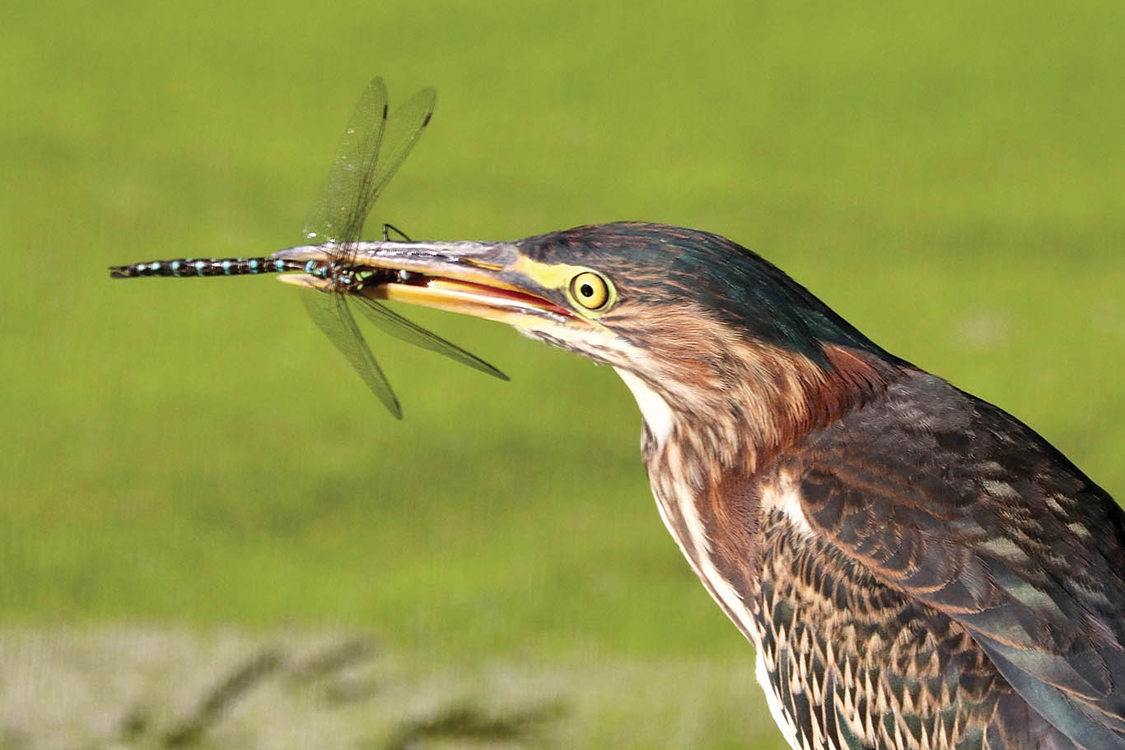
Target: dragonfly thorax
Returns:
[[345, 277]]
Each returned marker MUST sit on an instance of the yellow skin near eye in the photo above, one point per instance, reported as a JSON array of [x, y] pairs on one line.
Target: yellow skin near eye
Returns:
[[589, 290]]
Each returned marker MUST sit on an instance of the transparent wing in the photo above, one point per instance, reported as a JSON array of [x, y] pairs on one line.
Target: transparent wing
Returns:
[[403, 129], [405, 330], [372, 149], [342, 205], [331, 314]]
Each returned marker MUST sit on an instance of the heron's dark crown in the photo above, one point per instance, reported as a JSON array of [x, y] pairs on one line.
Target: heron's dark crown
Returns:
[[662, 266]]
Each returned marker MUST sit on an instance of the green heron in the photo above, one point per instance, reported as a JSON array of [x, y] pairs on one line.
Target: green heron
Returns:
[[915, 567]]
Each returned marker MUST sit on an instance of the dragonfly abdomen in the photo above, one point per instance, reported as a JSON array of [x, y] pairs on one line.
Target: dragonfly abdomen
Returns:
[[185, 267]]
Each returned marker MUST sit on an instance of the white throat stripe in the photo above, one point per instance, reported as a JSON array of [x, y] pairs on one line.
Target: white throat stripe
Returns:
[[654, 409]]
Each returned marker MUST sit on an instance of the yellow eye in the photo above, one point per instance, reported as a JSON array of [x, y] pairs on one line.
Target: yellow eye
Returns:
[[590, 290]]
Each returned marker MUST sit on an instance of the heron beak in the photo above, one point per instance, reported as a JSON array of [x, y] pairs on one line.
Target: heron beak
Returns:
[[483, 279]]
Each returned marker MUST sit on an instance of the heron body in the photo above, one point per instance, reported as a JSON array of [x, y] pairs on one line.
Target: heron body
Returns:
[[915, 567]]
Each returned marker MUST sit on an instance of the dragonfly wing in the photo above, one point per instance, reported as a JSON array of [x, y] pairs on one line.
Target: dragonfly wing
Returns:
[[347, 196], [372, 149], [332, 316], [412, 333], [403, 129]]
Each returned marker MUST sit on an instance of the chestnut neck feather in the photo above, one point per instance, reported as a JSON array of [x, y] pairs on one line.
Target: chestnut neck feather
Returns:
[[737, 402], [711, 475]]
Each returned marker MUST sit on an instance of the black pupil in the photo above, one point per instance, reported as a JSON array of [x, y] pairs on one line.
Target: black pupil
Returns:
[[587, 290]]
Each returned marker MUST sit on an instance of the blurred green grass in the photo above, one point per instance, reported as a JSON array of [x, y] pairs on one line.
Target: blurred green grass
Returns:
[[948, 177]]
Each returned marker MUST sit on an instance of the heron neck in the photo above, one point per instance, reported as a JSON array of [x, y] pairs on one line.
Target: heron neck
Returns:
[[737, 415], [709, 453]]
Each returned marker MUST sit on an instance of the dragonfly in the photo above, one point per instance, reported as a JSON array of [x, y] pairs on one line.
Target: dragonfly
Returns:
[[373, 147]]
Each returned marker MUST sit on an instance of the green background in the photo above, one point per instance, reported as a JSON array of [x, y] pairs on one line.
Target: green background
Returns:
[[194, 454]]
